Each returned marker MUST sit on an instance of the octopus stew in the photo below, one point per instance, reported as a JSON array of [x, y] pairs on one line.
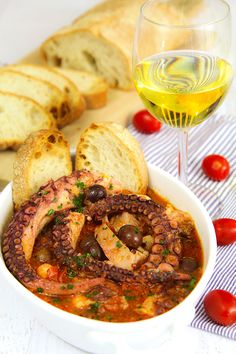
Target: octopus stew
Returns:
[[89, 248]]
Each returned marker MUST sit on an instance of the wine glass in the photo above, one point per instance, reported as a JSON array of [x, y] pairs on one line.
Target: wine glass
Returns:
[[179, 63]]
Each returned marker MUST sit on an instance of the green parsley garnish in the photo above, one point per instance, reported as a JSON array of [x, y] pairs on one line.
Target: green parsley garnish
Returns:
[[136, 230], [59, 206], [43, 192], [109, 317], [50, 212], [78, 202], [94, 307], [56, 300], [192, 283], [130, 297], [118, 244], [54, 199], [70, 286], [63, 287], [71, 273], [58, 219], [111, 186], [162, 242], [40, 290], [93, 293], [105, 228], [165, 252], [81, 260], [80, 184]]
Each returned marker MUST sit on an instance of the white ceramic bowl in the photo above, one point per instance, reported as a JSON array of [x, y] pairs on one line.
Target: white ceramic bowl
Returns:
[[107, 338]]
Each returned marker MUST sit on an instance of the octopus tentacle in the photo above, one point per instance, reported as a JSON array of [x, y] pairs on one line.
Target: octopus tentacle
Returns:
[[64, 231], [167, 246], [109, 271], [154, 216], [33, 215], [53, 288]]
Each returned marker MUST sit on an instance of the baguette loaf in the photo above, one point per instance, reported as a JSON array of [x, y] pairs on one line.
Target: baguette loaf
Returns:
[[111, 149], [101, 40], [19, 117], [44, 155], [76, 104], [53, 100], [93, 88]]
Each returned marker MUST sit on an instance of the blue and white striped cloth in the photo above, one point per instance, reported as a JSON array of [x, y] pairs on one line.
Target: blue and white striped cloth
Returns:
[[215, 136]]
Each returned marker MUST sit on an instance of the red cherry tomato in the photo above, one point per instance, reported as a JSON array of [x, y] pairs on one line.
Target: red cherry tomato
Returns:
[[220, 306], [145, 122], [225, 231], [216, 167]]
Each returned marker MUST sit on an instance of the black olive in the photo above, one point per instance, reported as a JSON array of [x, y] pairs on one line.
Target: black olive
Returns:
[[131, 236], [95, 193], [189, 264], [96, 251], [90, 245]]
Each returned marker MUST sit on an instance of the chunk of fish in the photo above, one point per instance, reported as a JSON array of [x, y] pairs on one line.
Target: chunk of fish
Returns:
[[116, 251]]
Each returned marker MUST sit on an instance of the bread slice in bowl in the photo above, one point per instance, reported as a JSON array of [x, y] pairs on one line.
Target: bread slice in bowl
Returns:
[[111, 149], [76, 103], [45, 155], [93, 88], [19, 117]]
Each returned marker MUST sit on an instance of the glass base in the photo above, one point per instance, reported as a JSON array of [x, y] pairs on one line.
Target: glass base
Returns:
[[209, 199]]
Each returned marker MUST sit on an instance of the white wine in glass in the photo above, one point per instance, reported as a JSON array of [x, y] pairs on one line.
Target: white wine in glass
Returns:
[[182, 88], [180, 65]]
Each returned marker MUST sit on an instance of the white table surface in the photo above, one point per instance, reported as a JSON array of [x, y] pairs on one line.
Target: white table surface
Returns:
[[24, 24]]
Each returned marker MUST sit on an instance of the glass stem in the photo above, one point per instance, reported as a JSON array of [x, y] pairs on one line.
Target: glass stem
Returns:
[[183, 156]]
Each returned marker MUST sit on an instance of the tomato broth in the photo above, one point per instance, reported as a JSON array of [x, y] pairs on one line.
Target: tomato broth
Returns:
[[116, 301]]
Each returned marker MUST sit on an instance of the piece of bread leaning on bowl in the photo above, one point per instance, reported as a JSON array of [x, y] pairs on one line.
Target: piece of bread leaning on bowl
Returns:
[[100, 242]]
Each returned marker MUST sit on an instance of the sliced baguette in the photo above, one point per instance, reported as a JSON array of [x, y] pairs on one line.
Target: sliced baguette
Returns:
[[109, 148], [46, 94], [81, 49], [19, 117], [101, 40], [44, 155], [76, 104], [93, 88]]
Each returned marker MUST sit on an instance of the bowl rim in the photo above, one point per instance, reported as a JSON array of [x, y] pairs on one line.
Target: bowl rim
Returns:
[[119, 327]]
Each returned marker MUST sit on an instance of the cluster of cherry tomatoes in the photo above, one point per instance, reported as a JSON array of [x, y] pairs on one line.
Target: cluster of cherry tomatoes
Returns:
[[220, 305]]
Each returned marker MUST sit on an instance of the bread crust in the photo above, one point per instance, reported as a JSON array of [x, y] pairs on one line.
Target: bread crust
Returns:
[[95, 98], [37, 145], [58, 100], [74, 98]]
